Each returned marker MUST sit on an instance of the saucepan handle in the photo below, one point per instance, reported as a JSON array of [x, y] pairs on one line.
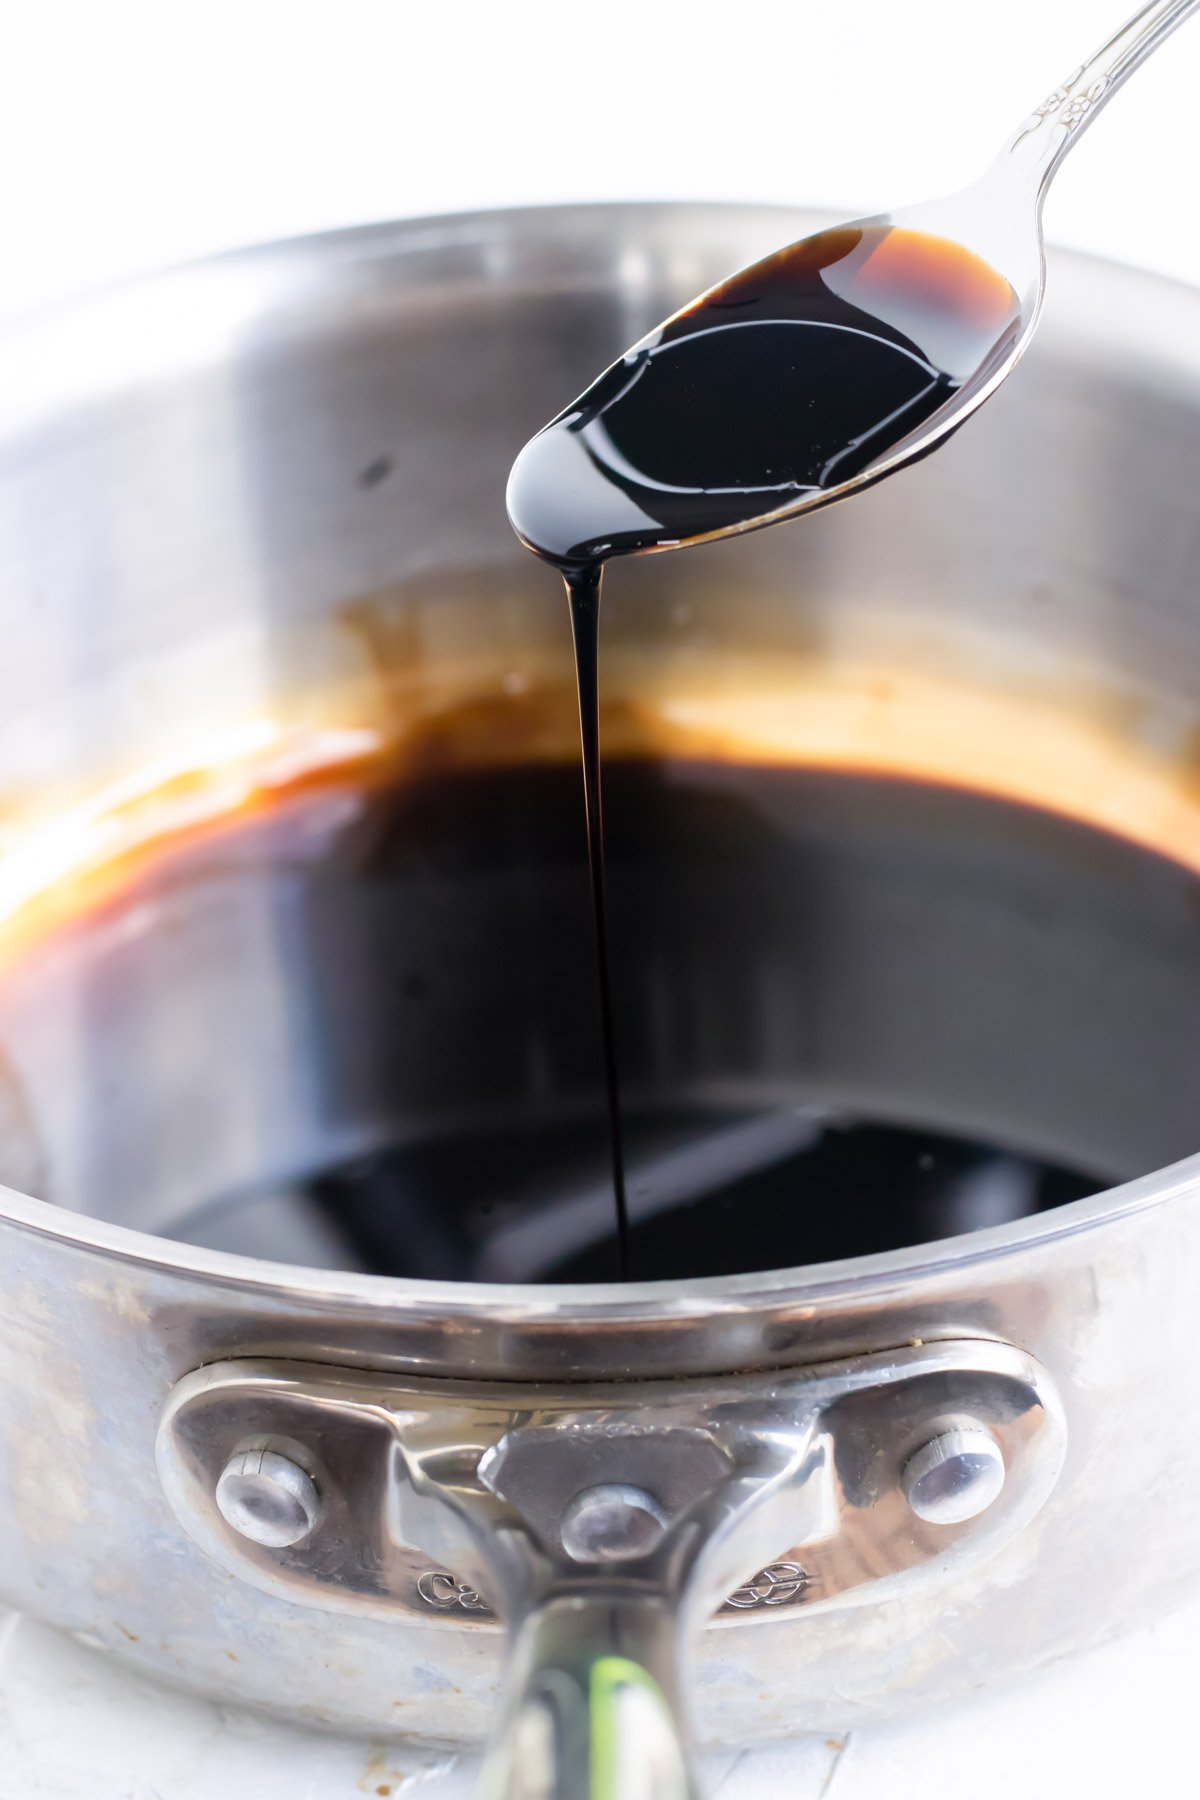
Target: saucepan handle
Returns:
[[594, 1708]]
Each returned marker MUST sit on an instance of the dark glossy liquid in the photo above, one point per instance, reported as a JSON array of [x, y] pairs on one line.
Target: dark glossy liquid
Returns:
[[775, 388], [357, 1029], [583, 597]]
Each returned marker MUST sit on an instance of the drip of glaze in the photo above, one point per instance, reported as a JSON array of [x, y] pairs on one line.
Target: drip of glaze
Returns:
[[583, 596]]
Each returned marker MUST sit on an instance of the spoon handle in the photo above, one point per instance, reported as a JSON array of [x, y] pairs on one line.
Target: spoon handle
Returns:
[[1049, 132]]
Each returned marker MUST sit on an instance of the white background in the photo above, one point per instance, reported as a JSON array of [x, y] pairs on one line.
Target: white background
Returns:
[[139, 132], [135, 133]]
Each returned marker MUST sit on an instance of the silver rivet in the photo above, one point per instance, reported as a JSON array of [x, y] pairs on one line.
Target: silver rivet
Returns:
[[267, 1498], [955, 1477], [611, 1523]]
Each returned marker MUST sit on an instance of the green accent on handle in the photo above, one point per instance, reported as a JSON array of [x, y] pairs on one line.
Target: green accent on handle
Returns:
[[610, 1677]]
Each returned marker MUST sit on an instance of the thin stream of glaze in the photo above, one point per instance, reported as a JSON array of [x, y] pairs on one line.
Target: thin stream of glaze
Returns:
[[583, 596]]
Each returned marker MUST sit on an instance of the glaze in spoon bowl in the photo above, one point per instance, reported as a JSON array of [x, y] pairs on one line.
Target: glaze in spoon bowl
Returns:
[[821, 369]]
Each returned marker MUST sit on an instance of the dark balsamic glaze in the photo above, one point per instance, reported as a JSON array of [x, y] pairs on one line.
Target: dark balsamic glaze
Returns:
[[769, 393], [583, 593], [427, 932]]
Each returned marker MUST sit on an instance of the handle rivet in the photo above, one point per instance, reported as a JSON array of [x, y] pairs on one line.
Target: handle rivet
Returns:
[[611, 1523], [954, 1477], [267, 1498]]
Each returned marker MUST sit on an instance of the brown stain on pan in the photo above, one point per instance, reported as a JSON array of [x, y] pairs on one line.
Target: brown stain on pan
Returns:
[[1094, 762]]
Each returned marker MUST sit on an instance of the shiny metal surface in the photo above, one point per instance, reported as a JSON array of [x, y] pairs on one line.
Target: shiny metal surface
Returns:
[[613, 1522], [468, 1475], [504, 1485], [955, 1476], [209, 576], [267, 1497]]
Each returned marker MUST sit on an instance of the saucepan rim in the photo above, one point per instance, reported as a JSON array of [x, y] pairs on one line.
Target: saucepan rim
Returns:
[[635, 1301]]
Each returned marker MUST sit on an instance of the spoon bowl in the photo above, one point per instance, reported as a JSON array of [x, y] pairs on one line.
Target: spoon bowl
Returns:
[[822, 368]]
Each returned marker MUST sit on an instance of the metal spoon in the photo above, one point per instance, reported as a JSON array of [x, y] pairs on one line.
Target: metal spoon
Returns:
[[823, 368]]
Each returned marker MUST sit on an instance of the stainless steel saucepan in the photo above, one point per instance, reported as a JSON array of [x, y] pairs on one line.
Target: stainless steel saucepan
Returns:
[[252, 549]]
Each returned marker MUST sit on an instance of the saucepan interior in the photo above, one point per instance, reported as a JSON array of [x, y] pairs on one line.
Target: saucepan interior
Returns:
[[903, 800]]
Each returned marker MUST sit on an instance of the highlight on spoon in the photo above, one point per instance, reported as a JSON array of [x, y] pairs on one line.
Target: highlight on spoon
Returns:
[[771, 393]]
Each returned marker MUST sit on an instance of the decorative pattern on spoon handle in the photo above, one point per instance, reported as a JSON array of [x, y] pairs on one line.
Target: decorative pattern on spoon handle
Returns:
[[1076, 101], [1067, 102]]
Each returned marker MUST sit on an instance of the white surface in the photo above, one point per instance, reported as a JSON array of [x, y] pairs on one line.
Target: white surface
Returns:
[[75, 1726], [134, 133]]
